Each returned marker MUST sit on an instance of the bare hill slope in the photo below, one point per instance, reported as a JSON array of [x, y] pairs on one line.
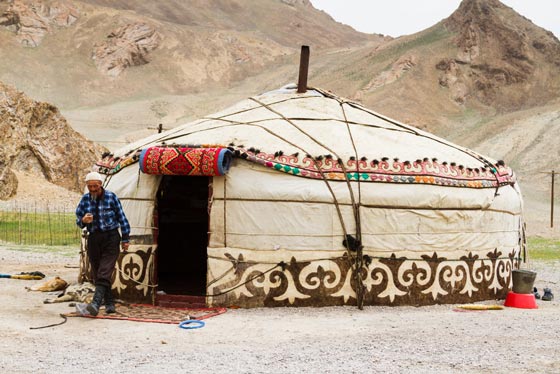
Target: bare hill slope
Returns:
[[484, 60], [171, 47]]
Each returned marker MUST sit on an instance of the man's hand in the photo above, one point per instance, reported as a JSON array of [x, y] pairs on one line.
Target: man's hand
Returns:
[[124, 246], [88, 218]]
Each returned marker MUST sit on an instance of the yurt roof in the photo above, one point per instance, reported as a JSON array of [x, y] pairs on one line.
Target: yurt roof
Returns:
[[318, 127]]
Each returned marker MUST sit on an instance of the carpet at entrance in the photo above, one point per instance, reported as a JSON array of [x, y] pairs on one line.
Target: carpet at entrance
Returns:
[[151, 313]]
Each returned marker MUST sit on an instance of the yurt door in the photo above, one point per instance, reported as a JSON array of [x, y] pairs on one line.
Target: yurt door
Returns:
[[183, 236]]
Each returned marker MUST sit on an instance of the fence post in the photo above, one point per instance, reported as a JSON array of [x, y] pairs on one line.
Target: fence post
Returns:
[[49, 224], [35, 225], [552, 202], [19, 226]]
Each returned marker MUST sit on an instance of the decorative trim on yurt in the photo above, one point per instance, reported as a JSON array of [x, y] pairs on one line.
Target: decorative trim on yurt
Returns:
[[388, 281]]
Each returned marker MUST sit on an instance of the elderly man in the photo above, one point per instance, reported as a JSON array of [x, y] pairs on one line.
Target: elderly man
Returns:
[[101, 212]]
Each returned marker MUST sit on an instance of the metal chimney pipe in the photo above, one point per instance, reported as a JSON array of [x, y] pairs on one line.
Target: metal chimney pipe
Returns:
[[303, 69]]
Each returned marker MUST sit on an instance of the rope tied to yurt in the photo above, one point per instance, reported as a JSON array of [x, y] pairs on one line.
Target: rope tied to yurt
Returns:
[[319, 170], [356, 261], [219, 278], [412, 130], [359, 248], [523, 241], [281, 264], [367, 260]]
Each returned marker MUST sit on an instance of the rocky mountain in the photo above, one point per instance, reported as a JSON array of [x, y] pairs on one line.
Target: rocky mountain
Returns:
[[483, 60], [30, 22], [129, 45], [503, 60], [36, 139], [191, 47]]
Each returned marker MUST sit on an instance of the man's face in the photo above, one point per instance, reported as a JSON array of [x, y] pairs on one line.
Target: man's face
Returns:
[[94, 187]]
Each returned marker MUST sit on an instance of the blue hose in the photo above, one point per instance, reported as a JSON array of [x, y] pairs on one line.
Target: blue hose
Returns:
[[196, 324]]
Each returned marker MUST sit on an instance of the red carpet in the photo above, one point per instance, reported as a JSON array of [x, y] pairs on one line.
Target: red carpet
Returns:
[[151, 313]]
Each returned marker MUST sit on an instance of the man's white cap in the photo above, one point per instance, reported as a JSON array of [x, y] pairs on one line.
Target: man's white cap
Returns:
[[94, 176]]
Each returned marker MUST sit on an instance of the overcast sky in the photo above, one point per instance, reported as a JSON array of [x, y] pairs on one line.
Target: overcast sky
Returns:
[[403, 17]]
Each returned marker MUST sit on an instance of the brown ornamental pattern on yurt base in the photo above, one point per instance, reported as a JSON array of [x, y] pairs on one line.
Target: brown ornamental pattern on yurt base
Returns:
[[133, 279], [388, 281]]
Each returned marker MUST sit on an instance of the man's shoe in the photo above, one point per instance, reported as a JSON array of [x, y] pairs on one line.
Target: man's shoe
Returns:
[[93, 309], [547, 296], [89, 309], [82, 308], [109, 301], [536, 293]]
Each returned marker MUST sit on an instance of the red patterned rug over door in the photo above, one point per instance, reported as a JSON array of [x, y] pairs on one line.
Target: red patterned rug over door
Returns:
[[185, 161]]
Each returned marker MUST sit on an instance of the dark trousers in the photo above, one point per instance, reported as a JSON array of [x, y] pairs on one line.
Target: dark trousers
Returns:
[[103, 252]]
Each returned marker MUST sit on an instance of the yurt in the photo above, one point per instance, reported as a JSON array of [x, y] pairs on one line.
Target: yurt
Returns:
[[308, 199]]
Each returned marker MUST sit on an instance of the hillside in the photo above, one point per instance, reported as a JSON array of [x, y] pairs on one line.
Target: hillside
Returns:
[[483, 60], [171, 48]]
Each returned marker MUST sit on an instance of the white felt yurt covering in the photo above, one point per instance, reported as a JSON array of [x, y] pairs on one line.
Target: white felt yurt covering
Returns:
[[426, 221]]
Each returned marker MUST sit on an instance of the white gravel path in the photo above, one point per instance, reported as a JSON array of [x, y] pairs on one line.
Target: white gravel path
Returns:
[[434, 339]]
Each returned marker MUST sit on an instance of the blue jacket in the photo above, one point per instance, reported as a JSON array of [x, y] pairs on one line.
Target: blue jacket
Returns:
[[107, 212]]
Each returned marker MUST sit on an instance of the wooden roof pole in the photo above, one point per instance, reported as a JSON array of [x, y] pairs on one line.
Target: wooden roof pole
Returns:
[[303, 69]]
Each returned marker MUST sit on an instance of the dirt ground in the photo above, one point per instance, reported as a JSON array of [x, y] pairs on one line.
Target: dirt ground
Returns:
[[434, 339]]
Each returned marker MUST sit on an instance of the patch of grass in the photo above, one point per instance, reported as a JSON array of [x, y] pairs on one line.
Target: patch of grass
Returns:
[[432, 36], [543, 249], [429, 38], [356, 75], [49, 228]]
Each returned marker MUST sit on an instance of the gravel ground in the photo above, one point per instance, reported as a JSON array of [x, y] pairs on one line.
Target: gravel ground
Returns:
[[434, 339]]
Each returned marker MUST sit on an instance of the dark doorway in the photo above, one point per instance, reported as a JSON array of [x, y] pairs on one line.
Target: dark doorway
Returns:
[[182, 207]]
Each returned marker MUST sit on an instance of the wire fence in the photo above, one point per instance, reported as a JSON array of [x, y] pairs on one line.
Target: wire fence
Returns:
[[38, 224]]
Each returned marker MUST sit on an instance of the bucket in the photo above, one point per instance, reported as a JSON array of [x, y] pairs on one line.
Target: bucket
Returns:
[[523, 281], [519, 300]]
